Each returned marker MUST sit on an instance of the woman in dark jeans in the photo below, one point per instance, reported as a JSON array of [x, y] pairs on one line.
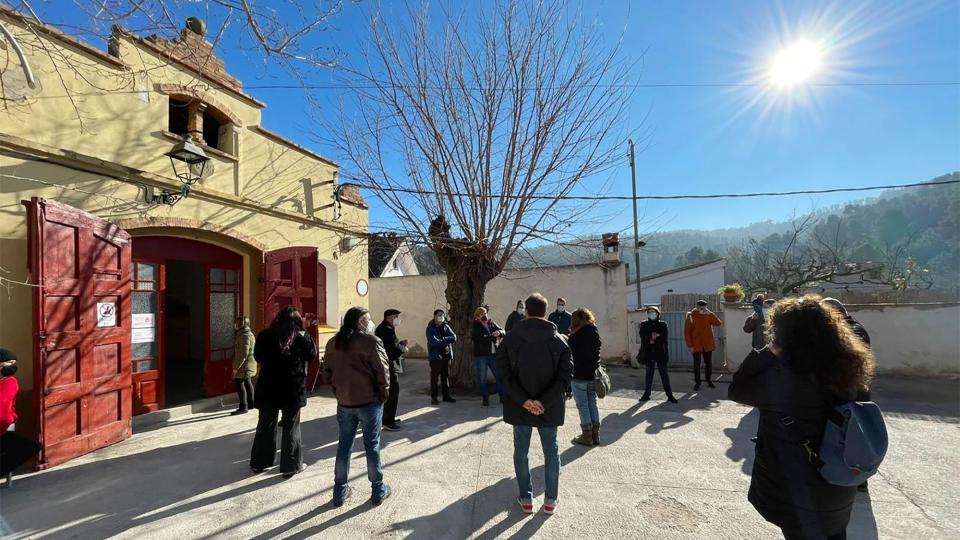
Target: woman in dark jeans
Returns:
[[585, 345], [284, 351], [814, 362]]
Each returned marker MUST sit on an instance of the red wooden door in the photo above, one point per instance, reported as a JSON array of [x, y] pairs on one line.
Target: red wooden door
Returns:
[[82, 372], [223, 307], [291, 278], [149, 279]]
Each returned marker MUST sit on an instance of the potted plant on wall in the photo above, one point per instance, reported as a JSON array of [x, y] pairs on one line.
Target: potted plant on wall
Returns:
[[732, 292]]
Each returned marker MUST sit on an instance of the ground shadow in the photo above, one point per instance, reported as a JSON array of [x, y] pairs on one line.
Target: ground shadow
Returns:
[[465, 516], [863, 524], [172, 474], [741, 446]]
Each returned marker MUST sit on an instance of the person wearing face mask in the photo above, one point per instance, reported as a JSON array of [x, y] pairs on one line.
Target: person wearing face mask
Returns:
[[698, 334], [15, 449], [515, 316], [244, 366], [284, 352], [356, 364], [485, 334], [756, 322], [395, 347], [656, 354], [561, 318], [440, 340]]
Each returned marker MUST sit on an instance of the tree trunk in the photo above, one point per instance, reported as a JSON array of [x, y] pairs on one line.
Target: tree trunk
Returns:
[[464, 295], [468, 267]]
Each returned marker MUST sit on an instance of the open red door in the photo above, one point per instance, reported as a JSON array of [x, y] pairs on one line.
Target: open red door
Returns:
[[149, 280], [291, 278], [223, 308], [82, 353]]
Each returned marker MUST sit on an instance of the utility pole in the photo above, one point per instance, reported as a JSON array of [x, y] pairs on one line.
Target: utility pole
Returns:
[[637, 244]]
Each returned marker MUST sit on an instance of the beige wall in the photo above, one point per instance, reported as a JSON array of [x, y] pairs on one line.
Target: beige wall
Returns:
[[599, 289], [914, 339], [255, 201]]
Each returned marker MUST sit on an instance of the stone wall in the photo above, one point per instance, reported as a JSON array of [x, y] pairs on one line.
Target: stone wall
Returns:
[[598, 288], [912, 339]]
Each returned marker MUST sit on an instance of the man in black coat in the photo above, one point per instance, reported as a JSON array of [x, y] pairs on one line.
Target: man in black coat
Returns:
[[535, 367], [387, 332]]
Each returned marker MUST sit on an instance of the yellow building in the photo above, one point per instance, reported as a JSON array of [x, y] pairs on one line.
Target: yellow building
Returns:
[[118, 292]]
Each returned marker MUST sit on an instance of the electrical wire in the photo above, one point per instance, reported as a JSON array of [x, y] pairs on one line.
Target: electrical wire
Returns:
[[659, 197]]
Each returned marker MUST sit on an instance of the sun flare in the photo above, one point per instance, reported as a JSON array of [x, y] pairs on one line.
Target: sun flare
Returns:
[[795, 64]]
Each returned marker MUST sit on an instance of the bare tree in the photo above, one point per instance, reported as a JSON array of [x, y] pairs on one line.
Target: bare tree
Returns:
[[472, 133], [782, 263]]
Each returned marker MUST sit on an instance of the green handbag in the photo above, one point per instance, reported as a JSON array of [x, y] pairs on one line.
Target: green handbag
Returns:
[[601, 382]]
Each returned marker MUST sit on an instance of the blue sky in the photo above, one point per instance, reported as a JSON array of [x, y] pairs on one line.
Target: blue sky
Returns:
[[708, 139]]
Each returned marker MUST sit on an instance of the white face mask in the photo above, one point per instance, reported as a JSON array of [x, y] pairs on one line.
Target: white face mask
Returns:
[[371, 328], [520, 311], [396, 322], [561, 308], [438, 319], [766, 313], [652, 316]]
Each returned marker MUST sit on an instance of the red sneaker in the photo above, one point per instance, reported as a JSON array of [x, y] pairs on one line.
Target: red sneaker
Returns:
[[526, 506], [549, 507]]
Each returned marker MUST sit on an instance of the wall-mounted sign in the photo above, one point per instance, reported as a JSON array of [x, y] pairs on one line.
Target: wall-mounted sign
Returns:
[[106, 314], [143, 320], [362, 287], [143, 335]]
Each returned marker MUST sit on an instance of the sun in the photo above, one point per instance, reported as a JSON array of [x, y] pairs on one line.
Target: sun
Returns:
[[795, 64]]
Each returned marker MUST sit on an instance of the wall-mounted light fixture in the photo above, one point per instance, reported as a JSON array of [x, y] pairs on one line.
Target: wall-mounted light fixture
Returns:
[[189, 161]]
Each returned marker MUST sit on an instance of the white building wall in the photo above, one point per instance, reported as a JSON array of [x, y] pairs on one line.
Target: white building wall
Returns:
[[703, 279], [602, 290], [401, 264], [913, 339]]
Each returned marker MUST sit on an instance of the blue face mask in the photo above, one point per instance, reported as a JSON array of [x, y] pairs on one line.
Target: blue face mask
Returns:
[[765, 312], [652, 316]]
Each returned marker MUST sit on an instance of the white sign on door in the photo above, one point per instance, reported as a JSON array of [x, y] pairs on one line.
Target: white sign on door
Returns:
[[143, 335], [143, 320], [106, 314]]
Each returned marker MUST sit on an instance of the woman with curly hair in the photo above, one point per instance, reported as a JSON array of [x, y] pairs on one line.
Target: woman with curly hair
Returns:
[[813, 363]]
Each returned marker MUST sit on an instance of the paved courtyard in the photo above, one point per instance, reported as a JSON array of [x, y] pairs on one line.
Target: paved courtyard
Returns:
[[664, 471]]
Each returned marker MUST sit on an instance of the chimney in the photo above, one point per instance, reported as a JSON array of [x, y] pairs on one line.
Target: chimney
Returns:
[[611, 248]]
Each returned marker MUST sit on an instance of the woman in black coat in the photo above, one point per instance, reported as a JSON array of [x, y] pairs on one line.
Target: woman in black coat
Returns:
[[284, 352], [813, 363], [654, 351]]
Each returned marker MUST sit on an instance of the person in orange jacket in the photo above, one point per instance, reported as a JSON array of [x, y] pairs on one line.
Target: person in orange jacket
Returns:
[[698, 333]]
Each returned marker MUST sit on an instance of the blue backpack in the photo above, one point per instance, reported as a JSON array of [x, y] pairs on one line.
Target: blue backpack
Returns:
[[854, 444]]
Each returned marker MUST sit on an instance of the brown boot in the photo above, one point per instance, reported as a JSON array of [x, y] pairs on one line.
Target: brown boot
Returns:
[[586, 438], [595, 434]]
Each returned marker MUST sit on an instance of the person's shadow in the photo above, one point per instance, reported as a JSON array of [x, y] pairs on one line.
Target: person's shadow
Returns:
[[741, 445]]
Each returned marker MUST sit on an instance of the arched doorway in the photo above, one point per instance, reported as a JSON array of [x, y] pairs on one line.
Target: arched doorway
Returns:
[[186, 295]]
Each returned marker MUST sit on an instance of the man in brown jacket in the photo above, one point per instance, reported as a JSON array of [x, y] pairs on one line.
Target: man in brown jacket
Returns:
[[355, 363], [698, 333]]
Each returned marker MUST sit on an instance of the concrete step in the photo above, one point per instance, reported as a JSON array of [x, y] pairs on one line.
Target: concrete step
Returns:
[[163, 416]]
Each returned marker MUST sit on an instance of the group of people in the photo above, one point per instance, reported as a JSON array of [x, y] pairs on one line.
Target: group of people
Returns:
[[808, 356]]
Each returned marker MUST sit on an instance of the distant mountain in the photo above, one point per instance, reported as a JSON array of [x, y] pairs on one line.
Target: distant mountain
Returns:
[[925, 220]]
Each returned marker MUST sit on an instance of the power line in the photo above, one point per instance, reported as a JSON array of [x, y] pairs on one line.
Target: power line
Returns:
[[532, 88], [385, 84], [658, 197]]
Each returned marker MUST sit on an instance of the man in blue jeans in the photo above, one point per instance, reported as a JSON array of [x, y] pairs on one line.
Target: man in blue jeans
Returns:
[[535, 368], [355, 363]]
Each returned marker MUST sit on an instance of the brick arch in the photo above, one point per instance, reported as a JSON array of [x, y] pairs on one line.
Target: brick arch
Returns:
[[150, 222], [202, 95]]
